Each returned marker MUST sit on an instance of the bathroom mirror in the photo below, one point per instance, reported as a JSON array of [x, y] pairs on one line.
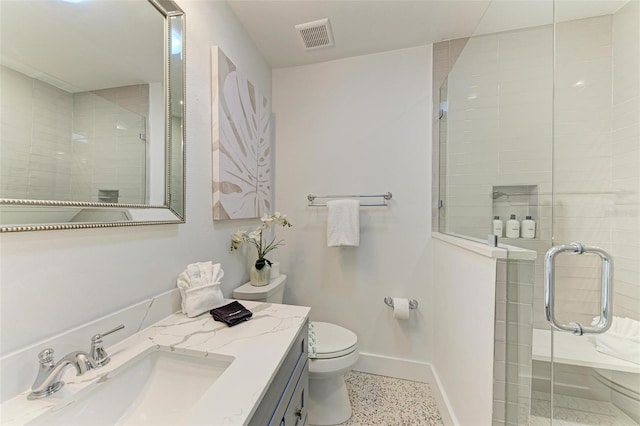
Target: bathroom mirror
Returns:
[[92, 114]]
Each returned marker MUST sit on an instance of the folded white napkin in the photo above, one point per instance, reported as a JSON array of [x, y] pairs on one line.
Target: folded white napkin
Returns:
[[622, 340], [199, 286], [343, 223]]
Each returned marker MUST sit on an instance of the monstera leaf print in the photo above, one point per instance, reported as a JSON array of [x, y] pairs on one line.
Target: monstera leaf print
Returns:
[[263, 183], [241, 145]]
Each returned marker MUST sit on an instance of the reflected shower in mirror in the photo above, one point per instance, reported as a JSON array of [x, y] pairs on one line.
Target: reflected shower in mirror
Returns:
[[86, 122], [73, 146]]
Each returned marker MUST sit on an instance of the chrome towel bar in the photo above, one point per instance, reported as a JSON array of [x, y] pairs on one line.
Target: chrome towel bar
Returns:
[[385, 198]]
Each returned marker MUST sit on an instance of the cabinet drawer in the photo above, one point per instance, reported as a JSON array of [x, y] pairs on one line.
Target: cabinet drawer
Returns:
[[296, 414], [277, 397], [283, 405]]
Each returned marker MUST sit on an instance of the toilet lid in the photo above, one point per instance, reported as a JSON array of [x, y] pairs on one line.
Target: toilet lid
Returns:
[[333, 341], [251, 292]]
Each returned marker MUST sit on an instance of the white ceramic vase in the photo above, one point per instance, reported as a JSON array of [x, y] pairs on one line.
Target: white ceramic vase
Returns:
[[260, 277]]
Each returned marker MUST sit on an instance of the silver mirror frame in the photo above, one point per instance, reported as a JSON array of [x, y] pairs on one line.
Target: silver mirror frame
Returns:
[[172, 212]]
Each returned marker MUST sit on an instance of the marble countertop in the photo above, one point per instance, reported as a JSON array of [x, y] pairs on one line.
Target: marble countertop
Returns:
[[258, 348]]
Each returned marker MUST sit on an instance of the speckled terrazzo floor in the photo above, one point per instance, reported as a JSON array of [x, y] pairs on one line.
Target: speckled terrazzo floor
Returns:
[[386, 401]]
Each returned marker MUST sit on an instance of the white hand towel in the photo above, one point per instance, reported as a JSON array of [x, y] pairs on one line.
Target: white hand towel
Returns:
[[183, 280], [216, 273], [200, 289], [343, 223], [195, 278], [206, 270], [183, 284]]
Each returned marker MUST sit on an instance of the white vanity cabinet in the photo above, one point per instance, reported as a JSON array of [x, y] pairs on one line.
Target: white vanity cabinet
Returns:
[[285, 401]]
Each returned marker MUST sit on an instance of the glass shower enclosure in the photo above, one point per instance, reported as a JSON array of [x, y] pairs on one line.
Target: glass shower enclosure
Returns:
[[539, 126]]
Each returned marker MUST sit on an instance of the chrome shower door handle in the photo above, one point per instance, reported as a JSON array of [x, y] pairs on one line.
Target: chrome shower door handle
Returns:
[[605, 296]]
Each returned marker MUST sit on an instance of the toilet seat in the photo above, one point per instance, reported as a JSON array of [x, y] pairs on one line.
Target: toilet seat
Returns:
[[336, 354], [332, 367], [333, 341]]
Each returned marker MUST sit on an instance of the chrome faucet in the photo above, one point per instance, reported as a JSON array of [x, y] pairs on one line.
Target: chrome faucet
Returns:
[[48, 379], [97, 352]]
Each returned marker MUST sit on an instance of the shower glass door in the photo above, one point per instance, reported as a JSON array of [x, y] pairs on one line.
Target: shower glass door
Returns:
[[595, 187], [540, 117]]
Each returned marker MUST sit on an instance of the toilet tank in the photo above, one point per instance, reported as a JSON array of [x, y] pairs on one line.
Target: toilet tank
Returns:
[[270, 293]]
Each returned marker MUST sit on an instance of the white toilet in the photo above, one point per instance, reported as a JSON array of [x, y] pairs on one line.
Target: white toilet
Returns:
[[336, 354]]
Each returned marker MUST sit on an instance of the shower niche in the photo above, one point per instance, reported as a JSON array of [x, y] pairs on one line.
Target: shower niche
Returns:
[[521, 200]]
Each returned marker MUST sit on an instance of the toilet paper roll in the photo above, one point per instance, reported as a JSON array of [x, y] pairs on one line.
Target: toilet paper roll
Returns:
[[401, 308]]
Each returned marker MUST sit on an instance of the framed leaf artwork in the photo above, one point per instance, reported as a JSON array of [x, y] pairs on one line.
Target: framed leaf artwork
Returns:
[[241, 145]]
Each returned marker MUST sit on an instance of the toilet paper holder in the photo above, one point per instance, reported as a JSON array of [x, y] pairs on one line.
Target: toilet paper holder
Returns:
[[413, 303]]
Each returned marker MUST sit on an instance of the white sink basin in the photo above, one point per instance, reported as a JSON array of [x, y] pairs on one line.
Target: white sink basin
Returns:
[[158, 387]]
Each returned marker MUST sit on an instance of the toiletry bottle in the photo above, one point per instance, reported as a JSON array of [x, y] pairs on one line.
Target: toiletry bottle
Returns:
[[513, 227], [497, 226], [528, 228]]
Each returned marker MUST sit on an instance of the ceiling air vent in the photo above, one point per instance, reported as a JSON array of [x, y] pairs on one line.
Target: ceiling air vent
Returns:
[[316, 34]]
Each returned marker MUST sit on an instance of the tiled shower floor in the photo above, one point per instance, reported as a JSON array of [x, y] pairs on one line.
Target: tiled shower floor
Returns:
[[385, 401], [572, 411]]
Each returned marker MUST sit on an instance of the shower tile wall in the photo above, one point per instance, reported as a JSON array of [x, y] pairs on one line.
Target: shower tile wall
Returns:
[[582, 155], [109, 151], [597, 159], [499, 133], [512, 343], [34, 138], [626, 159], [47, 147], [499, 121]]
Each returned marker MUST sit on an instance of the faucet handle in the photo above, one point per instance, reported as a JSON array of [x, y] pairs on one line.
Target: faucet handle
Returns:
[[97, 352], [106, 333], [46, 357]]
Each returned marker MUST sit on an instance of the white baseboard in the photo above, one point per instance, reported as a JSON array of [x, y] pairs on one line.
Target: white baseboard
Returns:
[[408, 369]]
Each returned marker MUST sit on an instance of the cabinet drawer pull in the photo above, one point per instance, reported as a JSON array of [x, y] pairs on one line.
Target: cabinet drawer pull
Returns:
[[299, 414]]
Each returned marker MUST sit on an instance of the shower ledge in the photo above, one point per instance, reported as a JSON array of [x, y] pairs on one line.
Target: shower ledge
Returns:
[[576, 350], [503, 251]]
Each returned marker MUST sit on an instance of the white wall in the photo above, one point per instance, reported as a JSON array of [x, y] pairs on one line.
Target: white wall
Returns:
[[464, 291], [359, 126], [53, 281]]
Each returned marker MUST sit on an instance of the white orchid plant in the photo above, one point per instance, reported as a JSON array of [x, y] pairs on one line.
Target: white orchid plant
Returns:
[[255, 237]]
